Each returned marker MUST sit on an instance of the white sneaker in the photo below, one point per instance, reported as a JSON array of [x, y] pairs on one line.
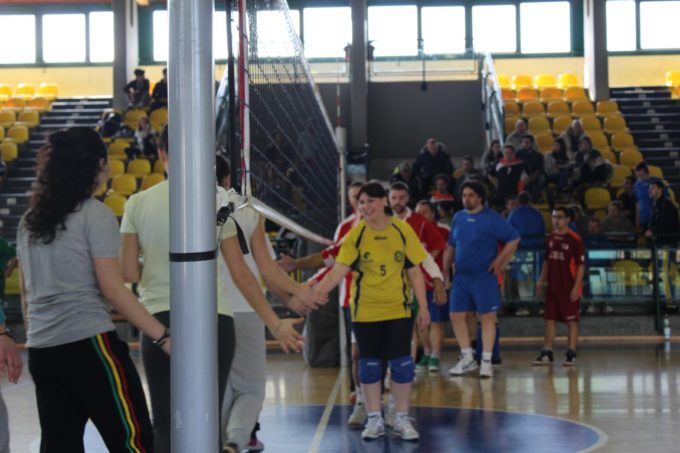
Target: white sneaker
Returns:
[[390, 415], [359, 415], [464, 365], [375, 428], [522, 311], [486, 369], [591, 309], [403, 428]]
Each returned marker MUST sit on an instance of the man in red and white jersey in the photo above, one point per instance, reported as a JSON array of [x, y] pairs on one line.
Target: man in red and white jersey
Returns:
[[562, 276]]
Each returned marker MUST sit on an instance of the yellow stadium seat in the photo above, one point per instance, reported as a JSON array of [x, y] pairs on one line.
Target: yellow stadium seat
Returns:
[[607, 108], [598, 139], [28, 118], [511, 108], [39, 104], [10, 151], [2, 133], [597, 198], [622, 140], [503, 80], [151, 180], [510, 122], [582, 109], [544, 141], [508, 94], [522, 81], [630, 158], [599, 214], [159, 116], [116, 167], [550, 94], [607, 154], [139, 168], [13, 283], [547, 219], [117, 203], [117, 149], [629, 273], [614, 124], [677, 91], [532, 108], [561, 123], [558, 108], [567, 80], [15, 104], [619, 175], [17, 134], [159, 166], [132, 118], [673, 78], [49, 91], [5, 92], [25, 91], [544, 80], [575, 94], [124, 184], [591, 123], [526, 94], [655, 171], [538, 124]]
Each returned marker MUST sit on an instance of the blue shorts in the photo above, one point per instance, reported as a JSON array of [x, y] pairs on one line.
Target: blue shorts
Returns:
[[475, 292], [438, 313]]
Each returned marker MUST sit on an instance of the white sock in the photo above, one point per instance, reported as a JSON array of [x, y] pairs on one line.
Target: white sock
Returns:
[[390, 400], [401, 414], [486, 356], [374, 414], [427, 353], [360, 395], [467, 353], [435, 355]]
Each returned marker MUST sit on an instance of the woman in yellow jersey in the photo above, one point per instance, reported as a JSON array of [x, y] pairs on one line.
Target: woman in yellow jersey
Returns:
[[384, 253]]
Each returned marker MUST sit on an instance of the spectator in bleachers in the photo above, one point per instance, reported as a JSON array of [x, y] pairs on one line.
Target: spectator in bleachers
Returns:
[[441, 190], [138, 90], [628, 199], [595, 170], [490, 159], [616, 225], [663, 226], [557, 166], [533, 160], [445, 212], [516, 136], [510, 205], [511, 174], [644, 200], [406, 176], [572, 135], [469, 172], [159, 97], [432, 160], [595, 234], [579, 220], [145, 141]]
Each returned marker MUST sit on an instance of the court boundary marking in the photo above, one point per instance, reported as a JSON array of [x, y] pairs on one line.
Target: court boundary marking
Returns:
[[325, 417]]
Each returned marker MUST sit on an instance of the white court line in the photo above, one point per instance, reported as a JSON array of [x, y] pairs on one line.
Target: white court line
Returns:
[[323, 422]]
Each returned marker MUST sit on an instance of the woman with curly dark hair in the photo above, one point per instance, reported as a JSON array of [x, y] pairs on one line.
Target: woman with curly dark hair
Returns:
[[68, 246]]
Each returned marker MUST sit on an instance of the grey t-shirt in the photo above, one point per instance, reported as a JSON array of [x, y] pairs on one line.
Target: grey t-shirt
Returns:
[[64, 301]]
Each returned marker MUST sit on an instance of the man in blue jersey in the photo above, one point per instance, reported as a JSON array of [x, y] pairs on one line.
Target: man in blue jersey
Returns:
[[477, 234], [644, 200]]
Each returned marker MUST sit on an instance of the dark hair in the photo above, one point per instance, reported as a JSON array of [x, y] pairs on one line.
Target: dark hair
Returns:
[[375, 189], [441, 176], [164, 142], [139, 72], [585, 138], [165, 71], [562, 144], [399, 185], [426, 202], [523, 198], [630, 179], [529, 137], [642, 166], [493, 142], [508, 145], [476, 187], [468, 158], [568, 213], [222, 168], [657, 182], [67, 176], [358, 184]]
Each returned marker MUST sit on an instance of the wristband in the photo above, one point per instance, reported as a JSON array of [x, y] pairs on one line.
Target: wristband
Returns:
[[7, 333], [161, 341]]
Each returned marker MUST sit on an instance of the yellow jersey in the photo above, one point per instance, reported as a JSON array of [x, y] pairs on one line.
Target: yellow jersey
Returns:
[[379, 260]]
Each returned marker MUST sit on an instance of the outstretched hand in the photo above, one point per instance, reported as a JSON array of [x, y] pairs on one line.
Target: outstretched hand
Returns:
[[287, 263], [289, 339], [10, 359]]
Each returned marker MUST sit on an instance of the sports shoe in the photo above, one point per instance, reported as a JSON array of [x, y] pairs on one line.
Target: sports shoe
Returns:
[[569, 358], [433, 365], [545, 358], [403, 428], [522, 311], [608, 309], [424, 360], [591, 309], [486, 369], [390, 415], [358, 417], [254, 445], [375, 428], [464, 365]]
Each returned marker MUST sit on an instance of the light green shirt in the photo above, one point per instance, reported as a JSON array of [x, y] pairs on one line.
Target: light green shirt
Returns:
[[147, 215]]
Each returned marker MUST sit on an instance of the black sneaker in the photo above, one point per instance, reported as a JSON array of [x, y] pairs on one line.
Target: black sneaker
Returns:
[[569, 358], [545, 358]]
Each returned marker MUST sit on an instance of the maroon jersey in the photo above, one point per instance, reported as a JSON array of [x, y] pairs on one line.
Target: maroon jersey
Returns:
[[563, 254]]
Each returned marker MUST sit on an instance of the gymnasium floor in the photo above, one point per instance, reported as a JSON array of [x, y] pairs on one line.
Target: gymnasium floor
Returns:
[[618, 398]]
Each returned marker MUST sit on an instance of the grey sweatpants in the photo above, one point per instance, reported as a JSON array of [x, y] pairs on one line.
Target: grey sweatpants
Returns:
[[246, 385], [4, 427]]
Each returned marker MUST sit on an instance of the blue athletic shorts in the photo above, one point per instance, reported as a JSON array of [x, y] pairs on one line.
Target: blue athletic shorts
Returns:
[[438, 313], [475, 292]]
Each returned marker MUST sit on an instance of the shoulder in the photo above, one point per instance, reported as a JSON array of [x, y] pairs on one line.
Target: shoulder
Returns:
[[574, 236]]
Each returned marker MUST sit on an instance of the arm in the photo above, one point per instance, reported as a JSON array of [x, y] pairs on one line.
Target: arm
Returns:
[[504, 257], [418, 283], [12, 264], [129, 258], [24, 301], [9, 355], [578, 282], [332, 279], [449, 254], [110, 279], [542, 279], [290, 264]]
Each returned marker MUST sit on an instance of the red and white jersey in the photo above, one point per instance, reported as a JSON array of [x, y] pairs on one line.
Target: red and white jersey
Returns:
[[563, 254], [430, 237]]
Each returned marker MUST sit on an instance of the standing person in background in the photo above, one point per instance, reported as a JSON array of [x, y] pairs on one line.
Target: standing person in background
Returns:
[[474, 242], [137, 90], [664, 230], [11, 362], [533, 160], [642, 194], [432, 160], [405, 175], [68, 244], [628, 199], [510, 174], [159, 97], [384, 252]]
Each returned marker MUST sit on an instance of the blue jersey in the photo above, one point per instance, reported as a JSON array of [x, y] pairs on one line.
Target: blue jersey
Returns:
[[529, 223], [476, 238]]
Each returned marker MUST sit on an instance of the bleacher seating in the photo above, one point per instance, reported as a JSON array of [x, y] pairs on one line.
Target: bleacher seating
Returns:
[[673, 78], [17, 134], [139, 168], [10, 151]]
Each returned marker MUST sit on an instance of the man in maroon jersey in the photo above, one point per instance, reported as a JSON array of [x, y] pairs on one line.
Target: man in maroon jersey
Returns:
[[562, 276]]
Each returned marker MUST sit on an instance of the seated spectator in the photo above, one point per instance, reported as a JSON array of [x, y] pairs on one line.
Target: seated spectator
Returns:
[[533, 160], [159, 97], [441, 190], [557, 166], [579, 220], [138, 90], [510, 205], [445, 212], [470, 173], [490, 159], [515, 137], [406, 176], [595, 170], [616, 225], [628, 199], [432, 160], [511, 174], [572, 135], [595, 234]]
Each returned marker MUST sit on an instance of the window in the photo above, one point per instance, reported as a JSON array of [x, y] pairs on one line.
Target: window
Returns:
[[393, 30], [101, 37], [494, 28], [621, 25], [545, 27], [327, 32], [220, 35], [443, 29], [63, 38], [18, 30], [161, 35], [274, 38], [659, 25]]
